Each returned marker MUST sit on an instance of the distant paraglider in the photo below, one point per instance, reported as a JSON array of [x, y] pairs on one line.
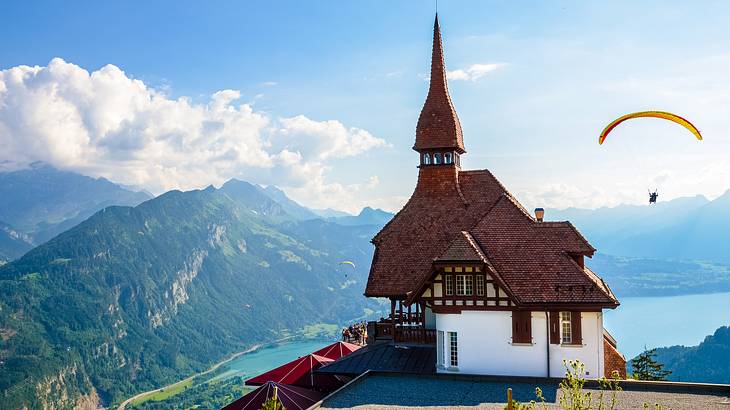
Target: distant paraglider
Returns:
[[348, 263], [651, 114]]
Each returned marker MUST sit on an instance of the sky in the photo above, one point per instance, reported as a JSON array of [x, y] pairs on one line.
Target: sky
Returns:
[[321, 98]]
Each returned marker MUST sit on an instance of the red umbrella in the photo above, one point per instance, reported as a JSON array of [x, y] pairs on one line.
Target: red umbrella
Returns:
[[292, 398], [299, 372], [337, 350]]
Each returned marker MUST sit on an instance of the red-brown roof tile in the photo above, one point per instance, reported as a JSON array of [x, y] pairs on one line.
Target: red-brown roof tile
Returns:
[[438, 125], [463, 248]]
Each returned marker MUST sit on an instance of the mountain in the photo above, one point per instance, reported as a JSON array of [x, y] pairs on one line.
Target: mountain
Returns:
[[709, 362], [368, 216], [136, 297], [290, 207], [13, 243], [635, 276], [42, 201], [684, 228], [329, 213]]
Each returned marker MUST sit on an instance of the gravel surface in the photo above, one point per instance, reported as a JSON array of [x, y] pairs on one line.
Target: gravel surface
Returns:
[[381, 391]]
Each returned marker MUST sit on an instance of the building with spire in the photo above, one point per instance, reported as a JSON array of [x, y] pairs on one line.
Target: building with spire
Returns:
[[465, 266]]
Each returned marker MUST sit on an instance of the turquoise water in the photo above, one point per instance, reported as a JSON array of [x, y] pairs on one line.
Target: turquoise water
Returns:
[[666, 321], [262, 360]]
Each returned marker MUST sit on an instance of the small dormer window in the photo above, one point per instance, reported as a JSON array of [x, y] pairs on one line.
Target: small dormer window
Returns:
[[437, 158], [427, 159], [448, 159]]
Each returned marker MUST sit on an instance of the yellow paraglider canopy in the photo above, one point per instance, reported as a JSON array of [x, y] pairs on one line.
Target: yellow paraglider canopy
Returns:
[[652, 114], [348, 263]]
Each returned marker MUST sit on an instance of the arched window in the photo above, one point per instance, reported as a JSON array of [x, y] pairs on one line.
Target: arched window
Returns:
[[448, 159], [437, 158], [427, 159]]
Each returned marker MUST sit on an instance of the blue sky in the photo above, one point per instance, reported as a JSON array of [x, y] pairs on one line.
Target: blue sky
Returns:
[[561, 71]]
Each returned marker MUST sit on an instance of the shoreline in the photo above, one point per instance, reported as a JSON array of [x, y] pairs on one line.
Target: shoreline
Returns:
[[213, 368]]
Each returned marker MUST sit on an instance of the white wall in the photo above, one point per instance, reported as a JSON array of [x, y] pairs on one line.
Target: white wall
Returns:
[[485, 345]]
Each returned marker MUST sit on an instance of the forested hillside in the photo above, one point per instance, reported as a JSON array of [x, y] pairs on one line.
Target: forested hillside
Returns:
[[133, 298], [709, 362]]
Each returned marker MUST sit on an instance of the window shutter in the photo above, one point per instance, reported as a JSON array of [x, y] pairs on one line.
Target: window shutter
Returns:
[[521, 326], [576, 326], [555, 328]]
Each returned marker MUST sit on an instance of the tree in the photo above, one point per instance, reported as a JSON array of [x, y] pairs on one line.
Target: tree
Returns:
[[645, 367], [272, 404]]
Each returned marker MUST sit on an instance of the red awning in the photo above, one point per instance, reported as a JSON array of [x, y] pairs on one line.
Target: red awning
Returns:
[[299, 372], [337, 350], [292, 398]]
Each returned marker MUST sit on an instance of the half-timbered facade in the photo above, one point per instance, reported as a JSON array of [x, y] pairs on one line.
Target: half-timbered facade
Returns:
[[467, 268]]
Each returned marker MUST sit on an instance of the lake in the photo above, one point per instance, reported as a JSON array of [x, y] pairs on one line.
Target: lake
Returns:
[[266, 358], [666, 321]]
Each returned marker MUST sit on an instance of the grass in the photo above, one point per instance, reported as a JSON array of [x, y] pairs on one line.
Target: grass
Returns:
[[320, 329], [165, 393]]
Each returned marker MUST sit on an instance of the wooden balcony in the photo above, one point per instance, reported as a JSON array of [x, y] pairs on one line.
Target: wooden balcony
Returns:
[[414, 334]]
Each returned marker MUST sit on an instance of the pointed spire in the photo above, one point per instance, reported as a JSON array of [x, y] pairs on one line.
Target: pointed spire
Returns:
[[438, 124]]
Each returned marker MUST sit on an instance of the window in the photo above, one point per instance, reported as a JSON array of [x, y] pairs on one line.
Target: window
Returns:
[[437, 158], [566, 328], [449, 285], [448, 159], [464, 285], [427, 159], [440, 357], [453, 350], [521, 326], [480, 285]]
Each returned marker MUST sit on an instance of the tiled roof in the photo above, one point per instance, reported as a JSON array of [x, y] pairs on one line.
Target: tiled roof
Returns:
[[532, 258], [407, 246], [438, 124], [463, 248]]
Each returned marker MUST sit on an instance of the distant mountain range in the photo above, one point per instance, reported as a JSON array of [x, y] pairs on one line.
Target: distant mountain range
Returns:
[[136, 297], [684, 228], [40, 202]]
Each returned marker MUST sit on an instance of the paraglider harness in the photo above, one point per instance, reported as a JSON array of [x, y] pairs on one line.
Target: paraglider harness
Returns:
[[653, 196]]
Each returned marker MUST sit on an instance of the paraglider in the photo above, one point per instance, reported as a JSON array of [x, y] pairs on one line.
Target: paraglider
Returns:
[[650, 114], [348, 263], [653, 196]]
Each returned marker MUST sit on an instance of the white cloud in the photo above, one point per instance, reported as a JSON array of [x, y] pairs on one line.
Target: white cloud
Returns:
[[474, 72], [105, 123]]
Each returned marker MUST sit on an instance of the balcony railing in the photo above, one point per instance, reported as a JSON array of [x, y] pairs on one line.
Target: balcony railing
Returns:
[[406, 334]]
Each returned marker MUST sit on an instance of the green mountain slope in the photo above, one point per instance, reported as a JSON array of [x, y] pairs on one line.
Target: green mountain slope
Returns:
[[133, 298], [709, 362]]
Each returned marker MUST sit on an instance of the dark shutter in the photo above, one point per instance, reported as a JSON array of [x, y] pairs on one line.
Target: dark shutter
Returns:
[[555, 328], [521, 326], [576, 327]]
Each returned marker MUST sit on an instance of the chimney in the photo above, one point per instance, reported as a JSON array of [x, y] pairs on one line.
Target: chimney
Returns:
[[539, 214]]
